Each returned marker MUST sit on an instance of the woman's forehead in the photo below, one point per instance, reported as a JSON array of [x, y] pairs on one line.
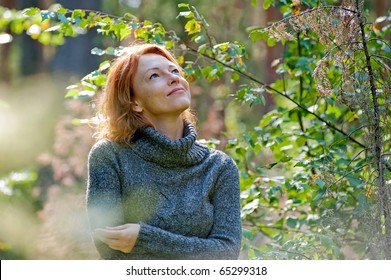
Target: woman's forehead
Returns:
[[152, 60]]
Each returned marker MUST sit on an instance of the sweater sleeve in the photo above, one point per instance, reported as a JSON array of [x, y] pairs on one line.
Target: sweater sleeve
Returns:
[[104, 194], [224, 239]]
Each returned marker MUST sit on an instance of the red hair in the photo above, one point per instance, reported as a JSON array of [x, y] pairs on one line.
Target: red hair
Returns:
[[118, 122]]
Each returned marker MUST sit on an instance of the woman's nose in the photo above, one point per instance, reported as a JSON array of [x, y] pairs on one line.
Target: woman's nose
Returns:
[[173, 79]]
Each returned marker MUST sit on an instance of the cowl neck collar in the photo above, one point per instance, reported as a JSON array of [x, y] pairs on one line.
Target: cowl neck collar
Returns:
[[156, 147]]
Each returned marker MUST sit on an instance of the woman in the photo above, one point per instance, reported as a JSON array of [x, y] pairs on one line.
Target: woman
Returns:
[[153, 191]]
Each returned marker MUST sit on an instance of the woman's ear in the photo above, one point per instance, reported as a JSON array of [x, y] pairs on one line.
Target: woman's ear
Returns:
[[136, 107]]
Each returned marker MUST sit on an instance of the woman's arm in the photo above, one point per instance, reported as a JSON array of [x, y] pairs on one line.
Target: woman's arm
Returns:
[[104, 195], [224, 239]]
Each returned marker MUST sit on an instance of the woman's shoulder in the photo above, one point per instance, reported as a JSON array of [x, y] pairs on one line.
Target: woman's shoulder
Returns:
[[102, 144], [104, 147], [221, 157]]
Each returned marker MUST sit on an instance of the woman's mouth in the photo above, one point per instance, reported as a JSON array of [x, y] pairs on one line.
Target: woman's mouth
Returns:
[[175, 90]]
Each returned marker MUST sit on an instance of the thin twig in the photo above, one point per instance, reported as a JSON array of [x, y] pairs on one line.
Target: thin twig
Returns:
[[311, 11], [346, 174], [381, 56], [295, 253], [381, 40], [378, 60]]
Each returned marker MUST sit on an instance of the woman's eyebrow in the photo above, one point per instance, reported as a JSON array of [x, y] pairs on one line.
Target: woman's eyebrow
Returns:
[[158, 68], [153, 68]]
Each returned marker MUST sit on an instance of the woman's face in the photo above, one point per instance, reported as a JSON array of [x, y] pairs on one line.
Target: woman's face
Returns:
[[159, 89]]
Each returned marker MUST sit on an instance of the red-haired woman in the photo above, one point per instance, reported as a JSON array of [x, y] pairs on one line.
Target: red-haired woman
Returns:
[[153, 191]]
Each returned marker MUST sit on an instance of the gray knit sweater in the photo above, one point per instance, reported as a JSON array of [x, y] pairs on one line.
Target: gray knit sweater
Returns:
[[184, 195]]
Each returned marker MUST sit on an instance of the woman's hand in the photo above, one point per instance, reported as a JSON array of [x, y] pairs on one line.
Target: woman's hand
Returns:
[[121, 238]]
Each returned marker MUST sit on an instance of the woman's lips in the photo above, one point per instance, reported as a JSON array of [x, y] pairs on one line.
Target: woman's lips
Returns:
[[175, 90]]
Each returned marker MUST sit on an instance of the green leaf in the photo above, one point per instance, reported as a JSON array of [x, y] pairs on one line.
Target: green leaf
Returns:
[[169, 45], [222, 46], [386, 48], [256, 35], [250, 207], [111, 51], [86, 94], [31, 11], [72, 87], [292, 222], [199, 39], [381, 19], [186, 14], [104, 65], [53, 28], [240, 151], [271, 165], [78, 14], [62, 18], [97, 51], [325, 240], [147, 23], [62, 10], [47, 15], [271, 41], [158, 38], [267, 4], [320, 183], [45, 38], [319, 194], [235, 76], [72, 93], [183, 5], [248, 234], [285, 158], [302, 163]]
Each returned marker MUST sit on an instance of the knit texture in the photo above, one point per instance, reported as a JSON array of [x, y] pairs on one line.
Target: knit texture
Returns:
[[184, 195]]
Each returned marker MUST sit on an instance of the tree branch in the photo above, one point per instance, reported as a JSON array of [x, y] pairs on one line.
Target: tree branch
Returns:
[[271, 89]]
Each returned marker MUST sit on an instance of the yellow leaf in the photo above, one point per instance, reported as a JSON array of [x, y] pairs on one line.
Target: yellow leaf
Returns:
[[181, 60], [376, 29], [368, 192], [296, 11], [193, 26]]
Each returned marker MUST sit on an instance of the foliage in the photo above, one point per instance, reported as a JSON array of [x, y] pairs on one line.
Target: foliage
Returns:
[[337, 186], [16, 203], [16, 188], [315, 172]]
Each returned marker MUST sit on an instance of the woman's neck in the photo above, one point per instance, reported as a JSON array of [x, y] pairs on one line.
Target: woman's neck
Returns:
[[172, 128]]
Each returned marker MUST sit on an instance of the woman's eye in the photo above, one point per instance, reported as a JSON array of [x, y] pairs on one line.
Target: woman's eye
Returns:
[[175, 71], [153, 76]]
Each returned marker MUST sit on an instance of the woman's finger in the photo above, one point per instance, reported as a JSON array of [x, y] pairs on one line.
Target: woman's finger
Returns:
[[120, 227], [115, 243], [105, 235]]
